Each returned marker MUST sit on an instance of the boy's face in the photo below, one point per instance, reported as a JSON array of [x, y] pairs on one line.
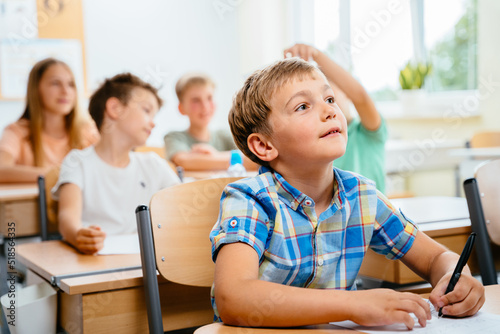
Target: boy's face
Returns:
[[197, 103], [307, 125], [137, 117]]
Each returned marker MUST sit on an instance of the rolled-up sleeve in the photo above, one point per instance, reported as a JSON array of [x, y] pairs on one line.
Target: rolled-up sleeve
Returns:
[[394, 233]]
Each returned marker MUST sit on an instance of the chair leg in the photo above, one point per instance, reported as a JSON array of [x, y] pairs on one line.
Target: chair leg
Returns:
[[478, 225], [149, 270], [42, 204]]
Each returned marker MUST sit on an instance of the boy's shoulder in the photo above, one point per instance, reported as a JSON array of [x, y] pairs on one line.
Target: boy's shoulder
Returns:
[[351, 181], [223, 133], [157, 168], [264, 181], [177, 134], [80, 155], [146, 158]]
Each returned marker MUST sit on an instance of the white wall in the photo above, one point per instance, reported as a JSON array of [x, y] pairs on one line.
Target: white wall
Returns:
[[161, 40], [228, 39]]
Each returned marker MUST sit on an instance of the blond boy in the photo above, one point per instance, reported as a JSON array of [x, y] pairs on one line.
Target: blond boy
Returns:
[[289, 242], [199, 148]]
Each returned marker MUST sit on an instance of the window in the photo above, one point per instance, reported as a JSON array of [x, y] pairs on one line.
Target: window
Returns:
[[377, 38], [451, 43], [326, 24]]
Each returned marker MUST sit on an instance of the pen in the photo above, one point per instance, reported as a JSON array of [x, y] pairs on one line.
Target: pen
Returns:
[[462, 261]]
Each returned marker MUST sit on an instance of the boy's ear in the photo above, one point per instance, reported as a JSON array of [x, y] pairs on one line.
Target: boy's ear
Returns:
[[262, 147], [114, 108], [180, 106]]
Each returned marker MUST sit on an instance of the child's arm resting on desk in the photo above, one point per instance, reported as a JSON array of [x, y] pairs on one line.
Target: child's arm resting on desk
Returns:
[[10, 172], [243, 299], [87, 240], [436, 264]]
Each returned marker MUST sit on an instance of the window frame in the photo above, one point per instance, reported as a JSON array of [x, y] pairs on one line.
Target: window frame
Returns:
[[436, 105]]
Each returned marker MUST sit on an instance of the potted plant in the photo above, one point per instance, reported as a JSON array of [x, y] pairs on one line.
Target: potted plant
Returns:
[[411, 79]]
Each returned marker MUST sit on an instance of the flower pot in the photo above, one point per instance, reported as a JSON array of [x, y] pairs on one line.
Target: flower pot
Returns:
[[412, 100]]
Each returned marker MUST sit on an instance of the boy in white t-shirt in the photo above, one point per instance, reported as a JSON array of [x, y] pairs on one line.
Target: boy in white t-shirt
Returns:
[[100, 187]]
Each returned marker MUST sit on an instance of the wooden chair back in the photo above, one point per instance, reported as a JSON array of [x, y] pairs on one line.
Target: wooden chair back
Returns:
[[182, 217], [174, 238], [485, 139]]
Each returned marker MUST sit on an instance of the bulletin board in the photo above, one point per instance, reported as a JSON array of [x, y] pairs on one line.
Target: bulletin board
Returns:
[[39, 29]]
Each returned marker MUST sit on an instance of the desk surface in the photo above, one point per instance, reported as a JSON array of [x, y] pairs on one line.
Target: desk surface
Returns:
[[436, 215], [56, 259], [492, 305], [114, 301], [491, 152], [430, 209], [18, 191]]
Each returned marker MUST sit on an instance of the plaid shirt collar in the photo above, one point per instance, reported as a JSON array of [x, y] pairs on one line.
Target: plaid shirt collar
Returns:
[[294, 198]]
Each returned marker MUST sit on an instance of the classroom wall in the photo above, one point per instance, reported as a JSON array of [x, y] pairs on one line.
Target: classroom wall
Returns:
[[161, 40]]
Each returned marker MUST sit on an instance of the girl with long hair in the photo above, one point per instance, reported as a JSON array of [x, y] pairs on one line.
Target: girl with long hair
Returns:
[[49, 128]]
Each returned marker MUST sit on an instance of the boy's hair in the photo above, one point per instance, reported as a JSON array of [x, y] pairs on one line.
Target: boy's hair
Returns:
[[119, 86], [252, 104], [189, 80]]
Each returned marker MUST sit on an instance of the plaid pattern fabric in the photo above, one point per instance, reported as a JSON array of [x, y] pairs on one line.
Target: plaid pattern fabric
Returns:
[[298, 248]]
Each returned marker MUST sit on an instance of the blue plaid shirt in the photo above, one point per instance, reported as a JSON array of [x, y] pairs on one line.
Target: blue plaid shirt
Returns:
[[298, 248]]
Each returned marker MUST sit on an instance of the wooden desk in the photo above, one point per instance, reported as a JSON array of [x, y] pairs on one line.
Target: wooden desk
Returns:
[[492, 305], [445, 219], [476, 153], [18, 204], [112, 301]]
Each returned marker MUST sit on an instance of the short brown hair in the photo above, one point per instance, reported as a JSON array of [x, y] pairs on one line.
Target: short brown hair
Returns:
[[189, 80], [119, 86], [252, 104]]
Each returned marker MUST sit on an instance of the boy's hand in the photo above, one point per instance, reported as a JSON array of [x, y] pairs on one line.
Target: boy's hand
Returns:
[[303, 51], [465, 300], [90, 240], [379, 307]]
